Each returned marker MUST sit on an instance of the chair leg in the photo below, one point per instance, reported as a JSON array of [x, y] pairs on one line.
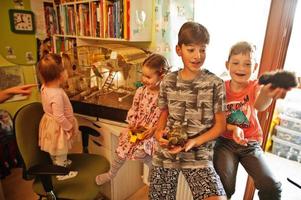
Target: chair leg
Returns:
[[51, 196]]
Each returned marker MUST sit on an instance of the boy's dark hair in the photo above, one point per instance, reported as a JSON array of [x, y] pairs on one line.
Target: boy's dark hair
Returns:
[[242, 47], [157, 62], [50, 67], [193, 32]]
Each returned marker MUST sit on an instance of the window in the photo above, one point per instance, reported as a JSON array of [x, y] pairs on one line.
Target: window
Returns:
[[228, 22], [292, 61]]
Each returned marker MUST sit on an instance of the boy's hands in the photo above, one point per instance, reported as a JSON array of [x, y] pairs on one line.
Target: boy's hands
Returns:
[[159, 137], [274, 93], [239, 136], [189, 145]]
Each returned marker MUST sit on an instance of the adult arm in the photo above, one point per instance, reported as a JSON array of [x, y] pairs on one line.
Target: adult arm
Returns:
[[9, 92]]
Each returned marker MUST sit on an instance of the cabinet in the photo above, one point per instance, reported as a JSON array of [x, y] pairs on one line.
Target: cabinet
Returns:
[[83, 22], [129, 178]]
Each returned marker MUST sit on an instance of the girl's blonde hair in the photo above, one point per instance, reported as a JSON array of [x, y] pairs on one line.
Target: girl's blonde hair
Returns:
[[242, 47], [51, 66], [157, 62]]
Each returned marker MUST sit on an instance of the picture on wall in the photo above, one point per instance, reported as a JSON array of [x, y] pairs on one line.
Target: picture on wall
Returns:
[[11, 76]]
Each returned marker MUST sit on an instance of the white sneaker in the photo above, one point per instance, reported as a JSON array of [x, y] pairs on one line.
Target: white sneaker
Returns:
[[70, 175]]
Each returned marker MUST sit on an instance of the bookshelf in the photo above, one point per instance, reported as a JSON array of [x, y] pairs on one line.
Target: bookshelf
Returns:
[[90, 22]]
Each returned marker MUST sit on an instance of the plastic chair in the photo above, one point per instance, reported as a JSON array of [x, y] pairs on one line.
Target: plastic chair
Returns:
[[38, 165]]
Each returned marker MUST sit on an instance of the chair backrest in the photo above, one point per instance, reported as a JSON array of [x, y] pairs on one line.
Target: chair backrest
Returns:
[[26, 124]]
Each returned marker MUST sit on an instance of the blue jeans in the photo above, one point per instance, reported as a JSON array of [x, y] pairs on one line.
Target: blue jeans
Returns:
[[227, 156]]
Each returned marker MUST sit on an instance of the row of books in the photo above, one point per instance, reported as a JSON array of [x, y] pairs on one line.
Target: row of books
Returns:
[[103, 18], [51, 23]]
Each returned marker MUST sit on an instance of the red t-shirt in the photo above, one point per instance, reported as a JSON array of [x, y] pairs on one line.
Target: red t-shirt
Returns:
[[241, 112]]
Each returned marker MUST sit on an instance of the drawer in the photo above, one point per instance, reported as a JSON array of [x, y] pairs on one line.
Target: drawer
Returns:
[[288, 135], [290, 122], [286, 149]]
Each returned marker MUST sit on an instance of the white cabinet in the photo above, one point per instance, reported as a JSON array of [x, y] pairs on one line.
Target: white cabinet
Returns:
[[129, 178]]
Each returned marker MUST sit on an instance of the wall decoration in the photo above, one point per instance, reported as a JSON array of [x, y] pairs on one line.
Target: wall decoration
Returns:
[[29, 57], [18, 4], [169, 17], [10, 52], [12, 76]]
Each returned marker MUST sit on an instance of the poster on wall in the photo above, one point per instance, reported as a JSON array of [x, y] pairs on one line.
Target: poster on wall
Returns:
[[9, 77]]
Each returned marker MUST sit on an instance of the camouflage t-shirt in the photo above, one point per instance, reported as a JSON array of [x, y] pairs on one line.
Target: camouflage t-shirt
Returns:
[[194, 104]]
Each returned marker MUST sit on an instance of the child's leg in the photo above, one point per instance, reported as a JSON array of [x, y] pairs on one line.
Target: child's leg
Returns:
[[254, 162], [148, 161], [163, 183], [204, 183], [115, 166], [226, 163], [62, 160]]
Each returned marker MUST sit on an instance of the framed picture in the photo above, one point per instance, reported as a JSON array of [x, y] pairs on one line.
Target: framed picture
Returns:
[[21, 21], [11, 76]]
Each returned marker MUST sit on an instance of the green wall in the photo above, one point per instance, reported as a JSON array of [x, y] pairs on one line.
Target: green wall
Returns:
[[21, 44]]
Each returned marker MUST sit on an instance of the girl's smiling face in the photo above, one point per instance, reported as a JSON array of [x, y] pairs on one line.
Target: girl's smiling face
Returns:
[[151, 78]]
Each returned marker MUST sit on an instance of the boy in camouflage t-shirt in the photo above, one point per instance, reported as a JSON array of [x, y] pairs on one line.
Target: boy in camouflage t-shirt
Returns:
[[192, 98]]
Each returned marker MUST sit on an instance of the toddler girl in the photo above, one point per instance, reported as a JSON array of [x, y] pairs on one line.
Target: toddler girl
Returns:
[[58, 126], [143, 115]]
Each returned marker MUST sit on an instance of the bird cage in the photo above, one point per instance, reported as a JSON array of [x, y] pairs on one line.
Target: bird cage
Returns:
[[104, 74]]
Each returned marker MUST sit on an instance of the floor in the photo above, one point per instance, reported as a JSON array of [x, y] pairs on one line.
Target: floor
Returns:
[[283, 168]]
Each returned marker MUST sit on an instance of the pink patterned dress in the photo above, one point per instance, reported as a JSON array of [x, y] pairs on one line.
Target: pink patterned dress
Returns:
[[144, 112]]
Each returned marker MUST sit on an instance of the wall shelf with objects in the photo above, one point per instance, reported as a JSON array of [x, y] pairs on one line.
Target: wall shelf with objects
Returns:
[[89, 21]]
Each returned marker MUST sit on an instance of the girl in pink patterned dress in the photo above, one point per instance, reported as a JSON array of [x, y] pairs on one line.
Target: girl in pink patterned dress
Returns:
[[58, 126], [144, 113]]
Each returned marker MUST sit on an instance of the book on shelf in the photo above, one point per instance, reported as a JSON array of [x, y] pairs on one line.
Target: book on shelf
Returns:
[[122, 19], [51, 23]]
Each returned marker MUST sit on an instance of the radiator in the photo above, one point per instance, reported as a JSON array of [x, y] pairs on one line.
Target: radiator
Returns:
[[183, 190]]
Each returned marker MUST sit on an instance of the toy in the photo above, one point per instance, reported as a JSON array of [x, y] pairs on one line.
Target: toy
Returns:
[[177, 136], [279, 79], [137, 134]]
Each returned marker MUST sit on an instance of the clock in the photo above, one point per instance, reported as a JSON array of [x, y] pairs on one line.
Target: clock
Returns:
[[21, 21]]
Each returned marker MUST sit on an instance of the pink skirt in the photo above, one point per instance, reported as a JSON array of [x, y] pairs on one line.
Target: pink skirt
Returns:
[[53, 139]]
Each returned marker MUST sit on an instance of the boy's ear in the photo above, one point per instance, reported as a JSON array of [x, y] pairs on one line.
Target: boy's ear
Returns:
[[178, 50], [255, 67], [227, 65]]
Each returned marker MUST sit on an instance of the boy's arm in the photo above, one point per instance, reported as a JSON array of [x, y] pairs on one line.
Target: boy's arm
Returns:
[[218, 128], [237, 134], [161, 125], [266, 95]]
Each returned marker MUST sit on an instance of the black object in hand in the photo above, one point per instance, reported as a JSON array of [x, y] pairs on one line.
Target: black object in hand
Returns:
[[279, 79]]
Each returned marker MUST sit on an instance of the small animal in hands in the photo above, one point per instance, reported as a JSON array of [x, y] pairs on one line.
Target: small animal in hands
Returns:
[[177, 136], [279, 79]]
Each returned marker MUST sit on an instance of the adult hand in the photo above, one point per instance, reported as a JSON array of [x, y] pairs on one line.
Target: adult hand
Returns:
[[23, 89]]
